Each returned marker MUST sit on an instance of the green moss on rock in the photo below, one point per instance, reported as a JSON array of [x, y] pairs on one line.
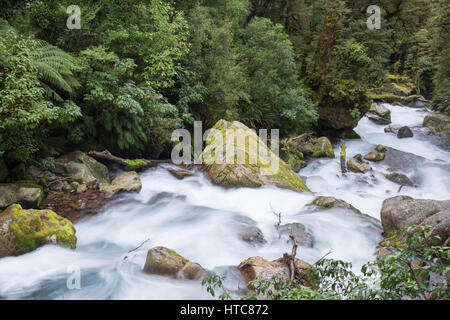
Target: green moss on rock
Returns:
[[25, 230], [323, 148], [251, 168], [135, 164]]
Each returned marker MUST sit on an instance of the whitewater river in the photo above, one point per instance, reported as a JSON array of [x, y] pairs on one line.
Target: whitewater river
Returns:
[[200, 221]]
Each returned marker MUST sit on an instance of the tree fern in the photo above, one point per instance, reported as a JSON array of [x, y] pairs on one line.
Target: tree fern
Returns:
[[54, 66]]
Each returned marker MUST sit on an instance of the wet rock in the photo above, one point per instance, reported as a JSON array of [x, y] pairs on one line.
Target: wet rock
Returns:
[[400, 212], [405, 132], [255, 171], [437, 123], [180, 174], [323, 148], [374, 156], [358, 166], [399, 178], [380, 148], [402, 161], [417, 101], [254, 267], [331, 202], [252, 235], [126, 182], [74, 206], [23, 231], [247, 230], [304, 238], [392, 129], [27, 194], [379, 114], [167, 262], [82, 168]]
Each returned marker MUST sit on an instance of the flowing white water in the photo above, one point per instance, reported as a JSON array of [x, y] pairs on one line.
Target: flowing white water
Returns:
[[199, 220]]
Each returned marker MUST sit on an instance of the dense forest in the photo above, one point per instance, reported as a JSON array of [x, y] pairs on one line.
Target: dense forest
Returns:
[[113, 79], [136, 70]]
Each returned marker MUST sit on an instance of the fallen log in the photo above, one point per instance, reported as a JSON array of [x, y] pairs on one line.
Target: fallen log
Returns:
[[129, 164]]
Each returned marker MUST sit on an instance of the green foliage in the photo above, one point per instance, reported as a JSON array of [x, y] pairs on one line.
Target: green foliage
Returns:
[[132, 118], [24, 110], [276, 98]]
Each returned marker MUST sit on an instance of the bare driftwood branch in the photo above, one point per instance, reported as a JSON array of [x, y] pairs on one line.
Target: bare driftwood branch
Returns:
[[106, 155], [278, 215], [323, 257], [137, 247]]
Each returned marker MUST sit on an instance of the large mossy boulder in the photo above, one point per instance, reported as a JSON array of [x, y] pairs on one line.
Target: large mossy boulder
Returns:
[[379, 114], [254, 169], [323, 148], [82, 169], [126, 182], [22, 231], [402, 211], [167, 262], [25, 193]]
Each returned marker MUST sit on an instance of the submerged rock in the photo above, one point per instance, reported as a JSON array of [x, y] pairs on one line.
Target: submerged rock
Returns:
[[399, 178], [22, 231], [392, 129], [402, 161], [405, 132], [252, 235], [400, 212], [126, 182], [255, 170], [166, 262], [379, 114], [180, 174], [304, 238], [332, 202], [27, 194], [323, 148], [380, 148]]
